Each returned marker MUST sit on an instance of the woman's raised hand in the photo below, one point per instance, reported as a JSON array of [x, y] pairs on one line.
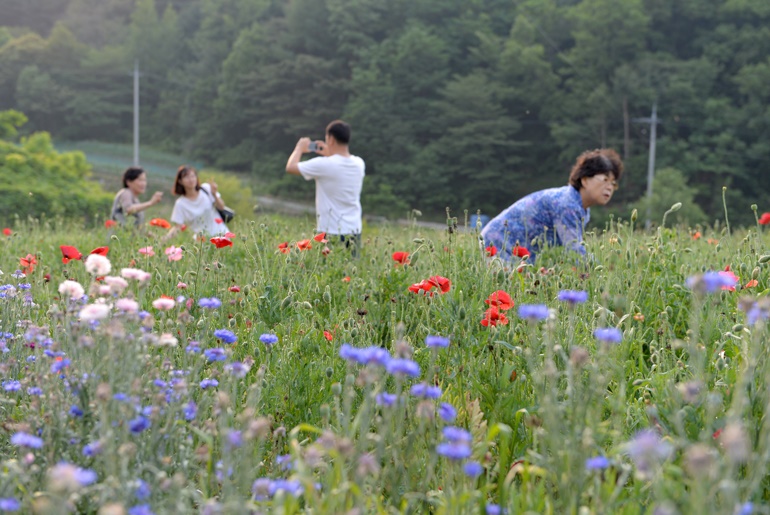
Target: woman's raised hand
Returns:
[[156, 197]]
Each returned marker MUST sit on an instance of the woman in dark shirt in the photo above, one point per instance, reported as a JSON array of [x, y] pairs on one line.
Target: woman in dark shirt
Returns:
[[127, 199]]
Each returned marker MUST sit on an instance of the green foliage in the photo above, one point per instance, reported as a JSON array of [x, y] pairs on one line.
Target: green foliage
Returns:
[[235, 193], [670, 187], [37, 181], [448, 99]]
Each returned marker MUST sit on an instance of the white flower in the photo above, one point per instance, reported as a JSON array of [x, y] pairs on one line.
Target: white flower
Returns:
[[71, 289], [127, 305], [135, 274], [94, 312], [163, 304], [117, 284], [97, 264]]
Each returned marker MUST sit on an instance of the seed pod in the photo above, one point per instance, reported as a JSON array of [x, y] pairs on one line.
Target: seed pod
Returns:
[[285, 303], [764, 259], [676, 207], [737, 328], [634, 215], [755, 273]]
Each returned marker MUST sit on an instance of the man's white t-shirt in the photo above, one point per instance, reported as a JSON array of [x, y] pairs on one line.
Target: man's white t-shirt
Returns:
[[338, 183], [199, 215]]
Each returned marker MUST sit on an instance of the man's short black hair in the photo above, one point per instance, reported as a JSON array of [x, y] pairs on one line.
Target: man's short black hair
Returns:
[[340, 131]]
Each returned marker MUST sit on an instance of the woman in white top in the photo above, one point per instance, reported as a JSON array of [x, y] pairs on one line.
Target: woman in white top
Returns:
[[197, 205]]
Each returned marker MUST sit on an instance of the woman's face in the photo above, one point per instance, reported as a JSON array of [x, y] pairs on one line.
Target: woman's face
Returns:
[[598, 189], [138, 185], [189, 180]]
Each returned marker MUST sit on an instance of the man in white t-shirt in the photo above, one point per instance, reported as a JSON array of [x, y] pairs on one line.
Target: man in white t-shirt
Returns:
[[338, 176]]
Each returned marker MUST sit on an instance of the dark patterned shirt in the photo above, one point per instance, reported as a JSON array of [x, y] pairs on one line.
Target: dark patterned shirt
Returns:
[[544, 218]]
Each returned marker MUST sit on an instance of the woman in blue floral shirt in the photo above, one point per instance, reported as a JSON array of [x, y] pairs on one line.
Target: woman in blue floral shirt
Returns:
[[556, 216]]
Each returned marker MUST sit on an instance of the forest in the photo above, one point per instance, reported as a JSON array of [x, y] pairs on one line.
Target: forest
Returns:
[[460, 104]]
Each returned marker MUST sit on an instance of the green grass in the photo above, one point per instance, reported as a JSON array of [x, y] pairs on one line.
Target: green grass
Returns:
[[538, 398]]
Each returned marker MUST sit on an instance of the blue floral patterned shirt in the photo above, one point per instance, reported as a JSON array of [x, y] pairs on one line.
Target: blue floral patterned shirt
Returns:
[[555, 216]]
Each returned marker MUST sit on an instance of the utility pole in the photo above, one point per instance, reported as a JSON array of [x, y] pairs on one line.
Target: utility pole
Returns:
[[136, 112], [653, 120]]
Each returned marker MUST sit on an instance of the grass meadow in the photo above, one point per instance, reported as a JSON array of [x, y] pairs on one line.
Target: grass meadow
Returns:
[[272, 376]]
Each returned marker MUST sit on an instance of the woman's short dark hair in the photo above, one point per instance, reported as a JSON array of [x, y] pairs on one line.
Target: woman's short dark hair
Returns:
[[181, 172], [131, 174], [340, 131], [595, 162]]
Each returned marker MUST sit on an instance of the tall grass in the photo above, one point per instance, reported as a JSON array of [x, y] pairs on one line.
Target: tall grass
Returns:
[[136, 413]]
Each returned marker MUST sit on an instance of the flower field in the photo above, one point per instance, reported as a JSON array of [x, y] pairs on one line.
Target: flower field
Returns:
[[272, 372]]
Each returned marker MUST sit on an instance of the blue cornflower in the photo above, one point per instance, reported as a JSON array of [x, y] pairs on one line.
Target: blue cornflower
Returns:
[[140, 509], [138, 424], [533, 312], [18, 274], [92, 449], [447, 412], [573, 297], [746, 508], [493, 509], [22, 439], [34, 390], [9, 504], [400, 366], [646, 448], [206, 383], [215, 354], [609, 335], [24, 286], [75, 411], [386, 399], [193, 347], [260, 488], [268, 339], [426, 391], [711, 282], [454, 450], [225, 335], [31, 359], [290, 486], [456, 434], [473, 469], [142, 490], [237, 369], [209, 303], [234, 439], [160, 383], [374, 355], [284, 461], [84, 476], [597, 463], [143, 314], [11, 386], [436, 341], [58, 366], [190, 411], [120, 397]]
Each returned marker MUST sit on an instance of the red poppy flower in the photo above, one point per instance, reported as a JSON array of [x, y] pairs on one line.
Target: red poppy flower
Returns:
[[320, 237], [493, 317], [183, 227], [326, 250], [732, 276], [218, 220], [230, 235], [69, 253], [304, 245], [696, 235], [235, 289], [519, 252], [751, 284], [346, 279], [47, 278], [28, 263], [402, 258], [221, 242], [442, 283], [110, 223], [160, 222], [102, 251], [7, 231], [764, 219], [501, 300], [423, 286], [491, 251], [284, 247], [328, 335]]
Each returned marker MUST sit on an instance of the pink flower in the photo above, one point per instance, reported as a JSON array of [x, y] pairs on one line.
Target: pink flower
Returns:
[[181, 285], [174, 253], [127, 305], [135, 274], [163, 304], [147, 251]]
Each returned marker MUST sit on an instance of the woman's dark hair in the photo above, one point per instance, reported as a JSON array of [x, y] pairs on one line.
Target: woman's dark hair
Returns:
[[595, 162], [131, 174], [340, 131], [183, 170]]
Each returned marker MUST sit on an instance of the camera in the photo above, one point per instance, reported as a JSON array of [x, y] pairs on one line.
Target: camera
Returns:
[[314, 147]]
